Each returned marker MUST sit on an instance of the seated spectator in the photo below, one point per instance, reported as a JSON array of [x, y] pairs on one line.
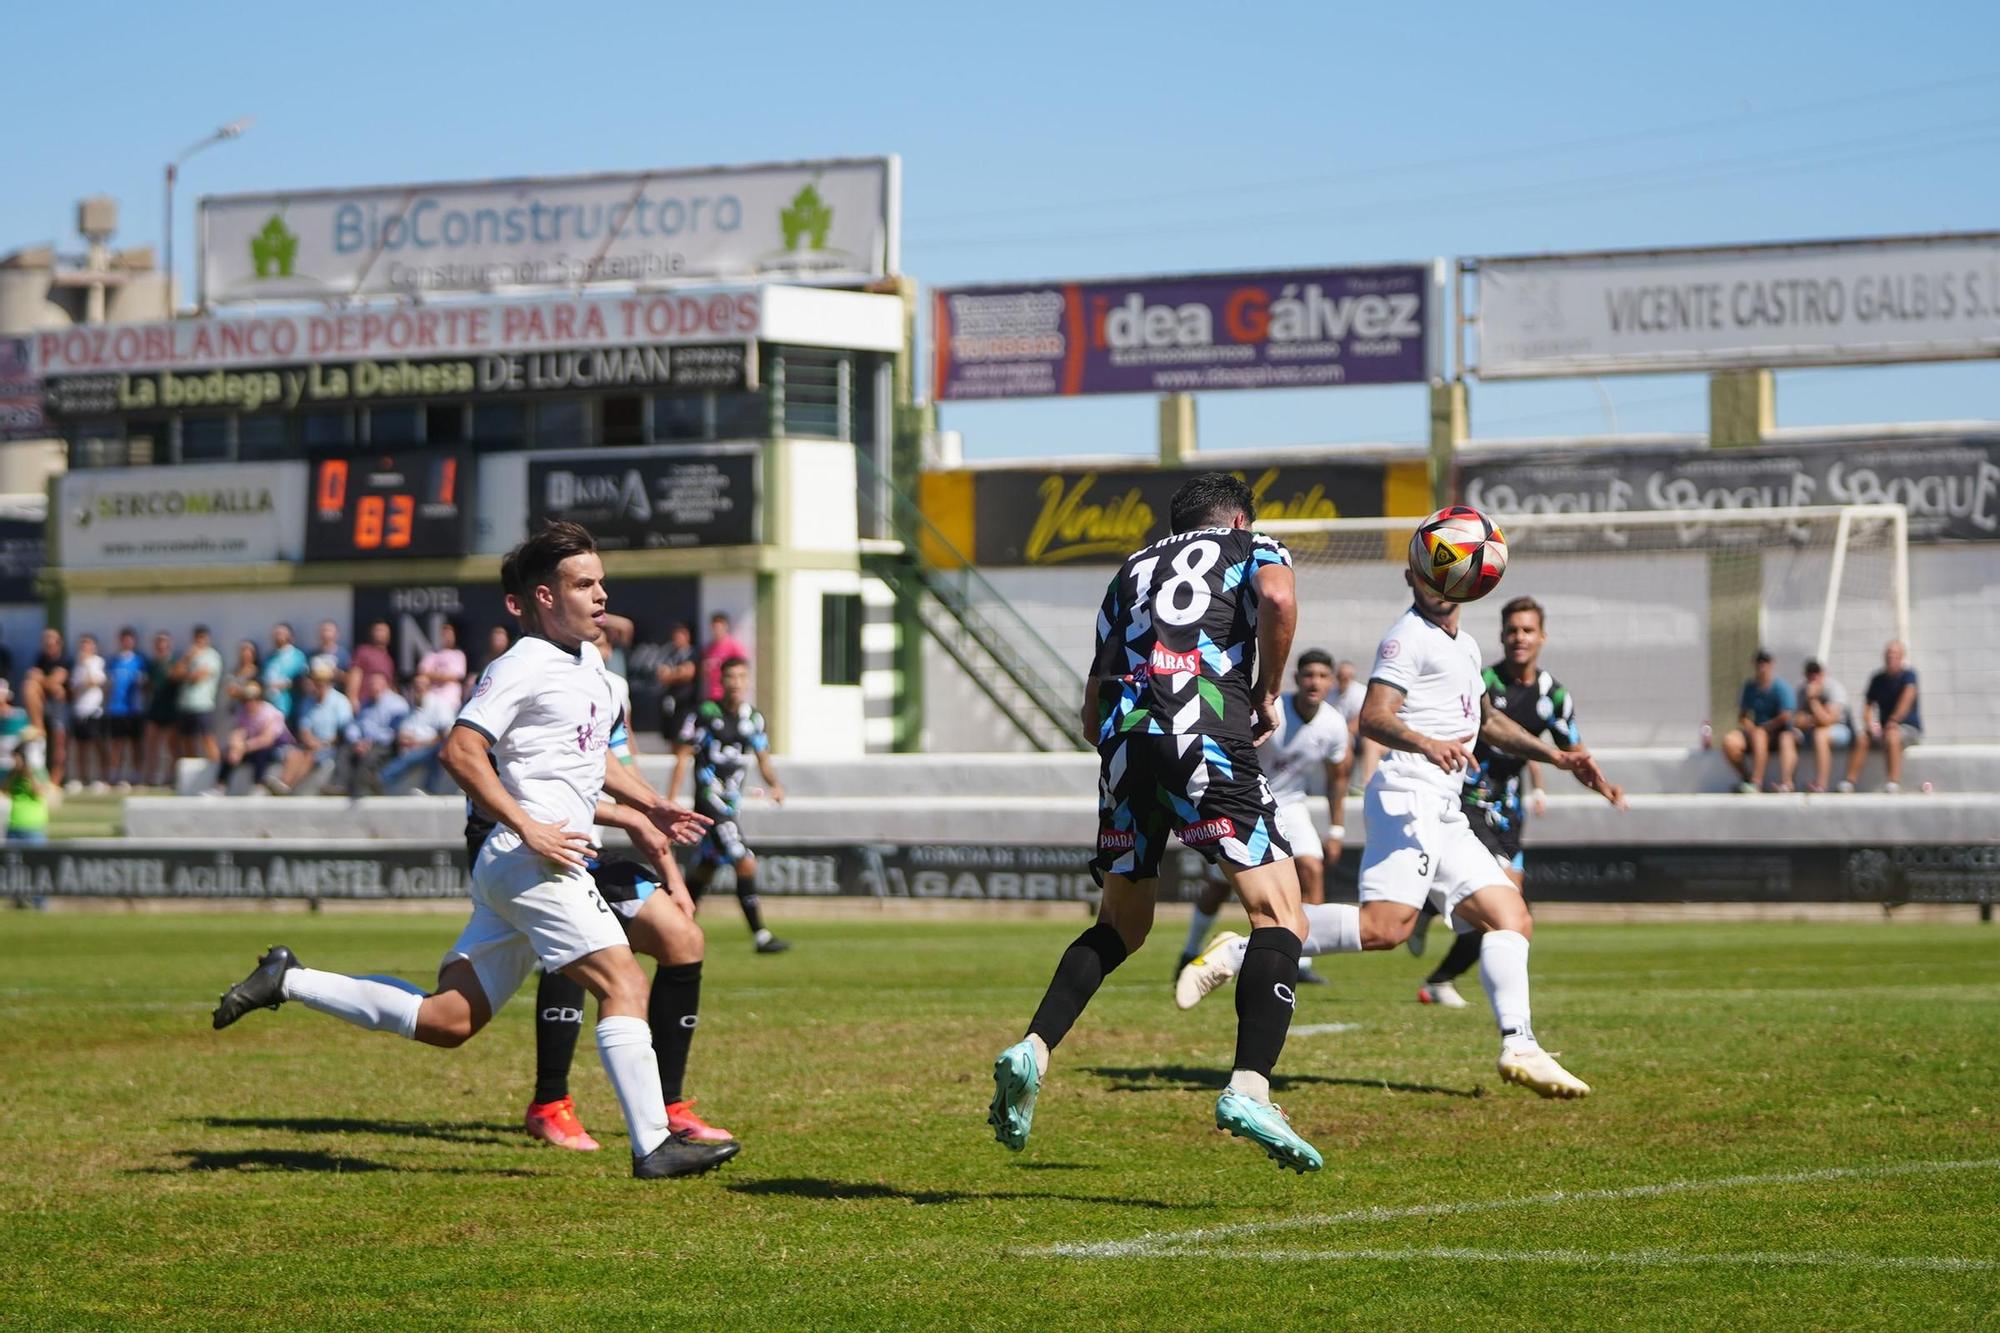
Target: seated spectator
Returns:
[[372, 657], [324, 716], [1764, 723], [30, 792], [1823, 721], [371, 737], [676, 674], [258, 738], [440, 678], [329, 652], [1889, 717], [419, 738]]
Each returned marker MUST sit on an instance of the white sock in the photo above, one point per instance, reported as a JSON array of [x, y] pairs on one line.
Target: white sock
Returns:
[[626, 1047], [1198, 927], [1041, 1049], [1503, 966], [1332, 928], [380, 1005], [1252, 1085]]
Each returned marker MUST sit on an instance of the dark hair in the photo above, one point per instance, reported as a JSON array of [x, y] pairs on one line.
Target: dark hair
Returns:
[[714, 616], [128, 630], [1813, 668], [201, 629], [1315, 657], [510, 572], [1519, 604], [1763, 656], [1209, 499], [537, 559], [730, 663]]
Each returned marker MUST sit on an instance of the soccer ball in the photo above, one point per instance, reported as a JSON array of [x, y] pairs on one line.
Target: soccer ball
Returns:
[[1459, 554]]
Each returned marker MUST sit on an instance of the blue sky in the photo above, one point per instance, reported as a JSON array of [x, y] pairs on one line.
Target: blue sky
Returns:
[[1074, 140]]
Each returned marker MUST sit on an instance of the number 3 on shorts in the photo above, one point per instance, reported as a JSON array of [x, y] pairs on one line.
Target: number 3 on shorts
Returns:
[[1424, 865]]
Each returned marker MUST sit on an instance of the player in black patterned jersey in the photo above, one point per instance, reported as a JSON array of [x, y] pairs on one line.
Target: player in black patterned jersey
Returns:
[[1192, 643], [1517, 686]]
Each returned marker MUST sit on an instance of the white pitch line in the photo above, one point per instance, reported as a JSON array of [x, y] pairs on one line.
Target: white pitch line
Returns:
[[1324, 1029], [1154, 1243], [1617, 1258]]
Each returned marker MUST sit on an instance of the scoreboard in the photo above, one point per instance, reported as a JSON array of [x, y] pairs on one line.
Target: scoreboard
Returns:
[[406, 502]]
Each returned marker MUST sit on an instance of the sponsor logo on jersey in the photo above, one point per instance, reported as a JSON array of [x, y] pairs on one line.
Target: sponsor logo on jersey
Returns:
[[1116, 840], [1166, 660], [1392, 650], [1208, 830]]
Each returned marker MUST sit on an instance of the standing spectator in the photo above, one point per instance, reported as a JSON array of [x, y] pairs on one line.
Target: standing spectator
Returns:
[[722, 647], [324, 716], [125, 709], [46, 694], [373, 657], [259, 738], [372, 735], [1890, 717], [248, 671], [164, 743], [86, 715], [1348, 695], [498, 641], [677, 672], [30, 792], [1823, 721], [200, 675], [1764, 722], [13, 723], [329, 650], [283, 666], [440, 678]]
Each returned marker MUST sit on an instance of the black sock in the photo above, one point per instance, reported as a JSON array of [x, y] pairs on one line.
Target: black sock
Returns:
[[558, 1020], [1265, 998], [672, 1012], [746, 893], [1090, 958], [1464, 953]]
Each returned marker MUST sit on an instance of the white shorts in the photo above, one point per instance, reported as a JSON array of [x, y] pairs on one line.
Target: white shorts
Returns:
[[1295, 821], [527, 913], [1420, 846]]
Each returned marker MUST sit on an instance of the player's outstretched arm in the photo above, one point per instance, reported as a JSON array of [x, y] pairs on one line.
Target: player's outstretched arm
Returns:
[[772, 787], [623, 784], [1379, 723], [466, 756], [683, 761]]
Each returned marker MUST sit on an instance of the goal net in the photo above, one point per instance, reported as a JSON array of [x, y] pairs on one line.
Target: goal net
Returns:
[[1652, 617]]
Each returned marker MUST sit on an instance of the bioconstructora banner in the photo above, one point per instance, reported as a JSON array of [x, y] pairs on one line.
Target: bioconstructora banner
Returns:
[[836, 220], [1193, 334], [1916, 298]]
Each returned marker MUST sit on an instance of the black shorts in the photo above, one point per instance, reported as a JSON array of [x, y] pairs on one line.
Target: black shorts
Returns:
[[87, 728], [126, 728], [1498, 832], [195, 724], [1208, 790]]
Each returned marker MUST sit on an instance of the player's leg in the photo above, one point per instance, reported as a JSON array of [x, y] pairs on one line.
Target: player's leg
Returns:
[[1498, 912], [661, 924], [1132, 830], [1214, 893], [746, 891], [447, 1017], [551, 1115], [1500, 833]]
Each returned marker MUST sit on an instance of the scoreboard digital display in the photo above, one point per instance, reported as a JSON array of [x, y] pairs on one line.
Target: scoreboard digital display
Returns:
[[411, 502]]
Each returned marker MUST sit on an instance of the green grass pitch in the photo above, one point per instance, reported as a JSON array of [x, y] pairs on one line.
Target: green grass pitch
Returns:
[[1794, 1126]]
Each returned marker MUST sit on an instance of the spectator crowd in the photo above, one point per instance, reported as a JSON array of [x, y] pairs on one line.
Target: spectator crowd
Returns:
[[321, 717]]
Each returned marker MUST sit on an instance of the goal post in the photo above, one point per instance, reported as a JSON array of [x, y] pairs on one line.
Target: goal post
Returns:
[[1652, 616]]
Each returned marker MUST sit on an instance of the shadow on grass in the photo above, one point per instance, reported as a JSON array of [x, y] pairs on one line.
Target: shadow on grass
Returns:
[[257, 1161], [478, 1132], [812, 1187], [1187, 1078]]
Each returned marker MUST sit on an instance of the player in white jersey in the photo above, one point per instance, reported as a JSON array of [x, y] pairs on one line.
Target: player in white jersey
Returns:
[[1305, 757], [531, 748], [1426, 705]]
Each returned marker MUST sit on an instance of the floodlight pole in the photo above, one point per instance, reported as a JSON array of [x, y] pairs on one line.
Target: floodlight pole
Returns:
[[222, 135]]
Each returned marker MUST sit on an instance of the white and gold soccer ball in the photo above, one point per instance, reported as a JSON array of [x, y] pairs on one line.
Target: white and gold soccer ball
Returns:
[[1458, 553]]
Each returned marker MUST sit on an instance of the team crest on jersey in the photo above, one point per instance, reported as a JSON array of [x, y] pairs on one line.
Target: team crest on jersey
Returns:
[[1392, 650], [485, 684]]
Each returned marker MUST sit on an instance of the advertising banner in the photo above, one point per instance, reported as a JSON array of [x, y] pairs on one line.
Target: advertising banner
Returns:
[[650, 501], [20, 392], [1309, 327], [1950, 485], [497, 374], [430, 332], [193, 514], [370, 871], [1042, 517], [825, 221], [1928, 298]]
